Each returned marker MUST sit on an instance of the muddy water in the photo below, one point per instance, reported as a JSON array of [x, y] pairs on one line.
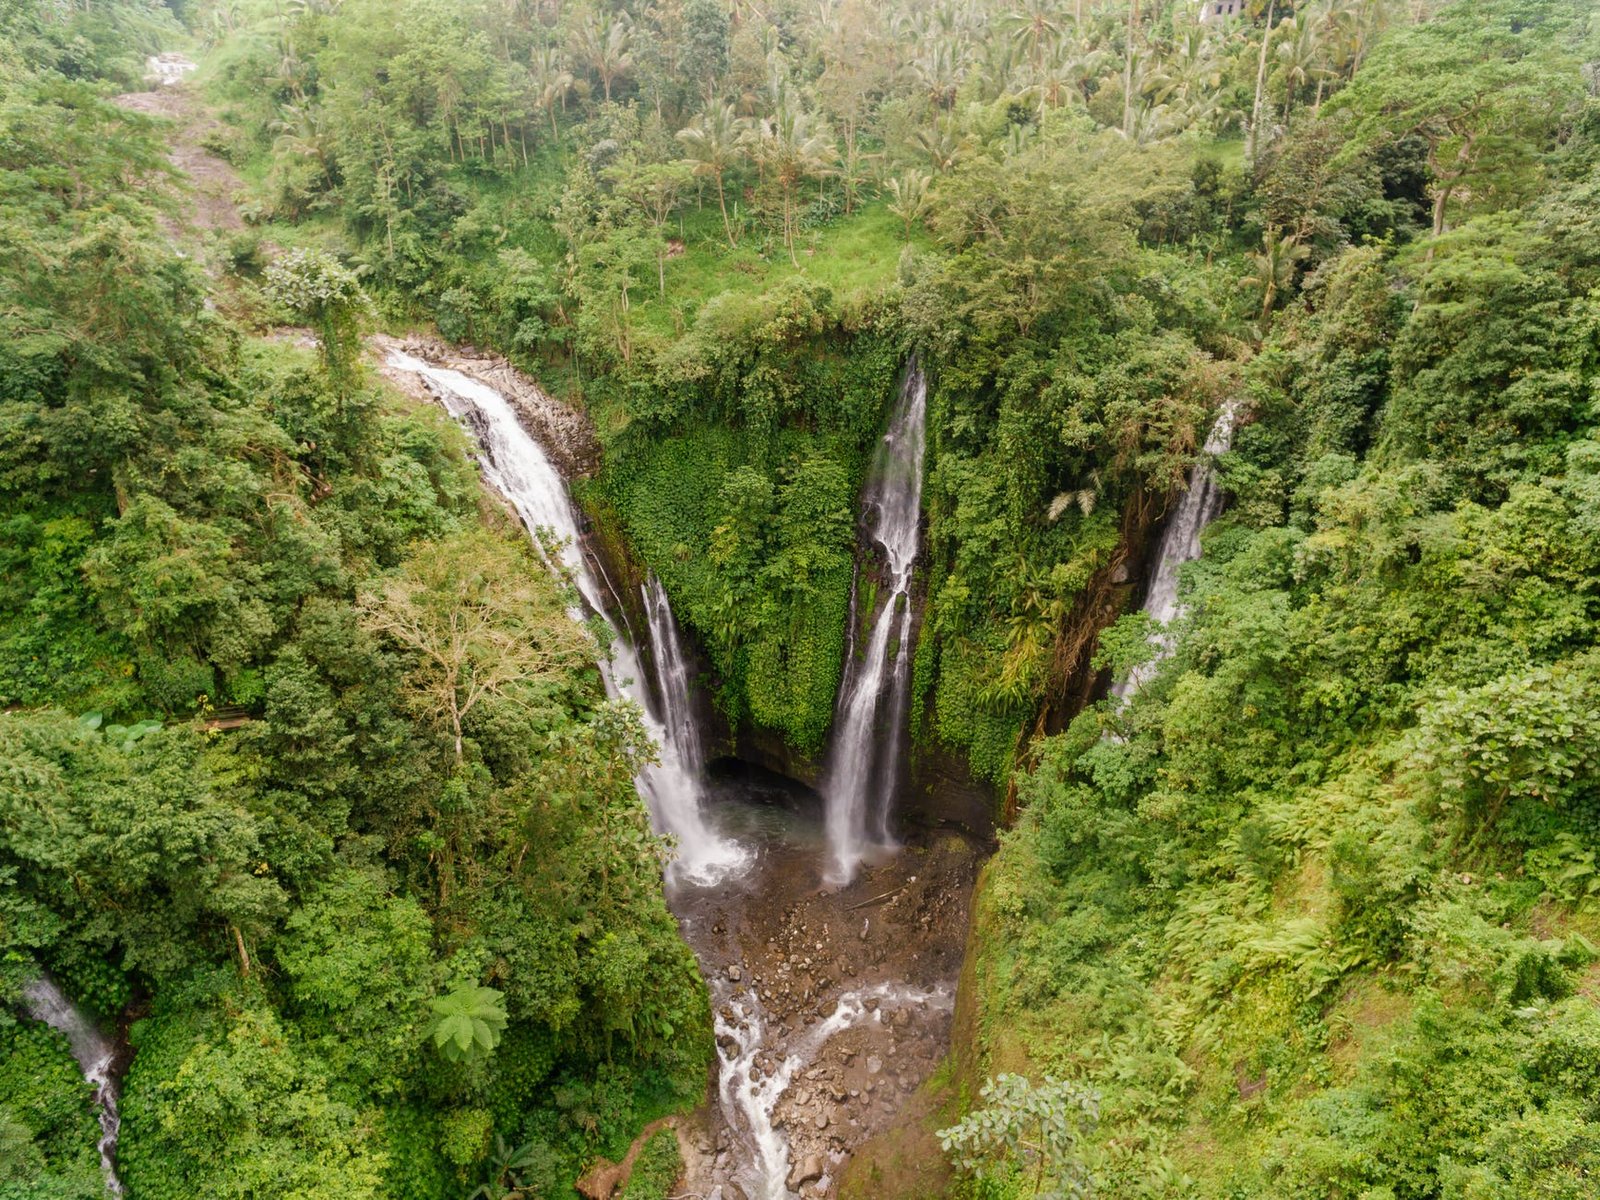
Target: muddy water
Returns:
[[832, 1004]]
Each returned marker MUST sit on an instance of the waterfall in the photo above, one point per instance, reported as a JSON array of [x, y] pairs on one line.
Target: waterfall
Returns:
[[95, 1054], [869, 723], [515, 466], [1180, 544]]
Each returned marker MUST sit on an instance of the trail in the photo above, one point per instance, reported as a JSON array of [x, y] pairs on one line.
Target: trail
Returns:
[[211, 184]]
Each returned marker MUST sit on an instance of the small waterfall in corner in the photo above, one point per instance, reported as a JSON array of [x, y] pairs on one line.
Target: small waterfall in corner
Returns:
[[517, 468], [869, 724], [1180, 544], [95, 1054]]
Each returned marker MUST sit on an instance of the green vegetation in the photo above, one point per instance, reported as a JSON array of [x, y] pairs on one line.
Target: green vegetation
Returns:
[[304, 765], [656, 1169], [303, 758], [1317, 921]]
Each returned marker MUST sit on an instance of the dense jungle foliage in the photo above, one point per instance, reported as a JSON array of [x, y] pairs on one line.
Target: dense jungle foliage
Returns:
[[1311, 916], [304, 766]]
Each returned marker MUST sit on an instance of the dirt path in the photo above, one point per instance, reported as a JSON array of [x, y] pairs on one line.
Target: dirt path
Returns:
[[211, 205]]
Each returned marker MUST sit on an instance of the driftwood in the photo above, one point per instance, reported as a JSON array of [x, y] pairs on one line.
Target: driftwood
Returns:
[[875, 899]]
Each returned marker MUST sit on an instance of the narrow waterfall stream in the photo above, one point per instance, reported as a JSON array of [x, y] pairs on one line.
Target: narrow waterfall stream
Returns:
[[519, 470], [1180, 544], [869, 724], [96, 1057]]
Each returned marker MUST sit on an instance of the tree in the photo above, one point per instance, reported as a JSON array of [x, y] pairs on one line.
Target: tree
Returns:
[[329, 297], [714, 143], [655, 189], [793, 145], [604, 40], [1481, 85], [1272, 270], [1036, 1129], [909, 198], [479, 626]]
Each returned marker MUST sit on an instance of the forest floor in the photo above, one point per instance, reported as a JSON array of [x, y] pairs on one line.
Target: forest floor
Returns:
[[855, 990]]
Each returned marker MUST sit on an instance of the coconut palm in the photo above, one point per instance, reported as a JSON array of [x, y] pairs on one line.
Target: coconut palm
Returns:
[[909, 198], [714, 144], [1034, 27], [793, 145], [553, 82], [604, 42], [1272, 269]]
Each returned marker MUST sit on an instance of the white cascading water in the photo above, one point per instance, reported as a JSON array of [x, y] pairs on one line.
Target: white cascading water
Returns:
[[672, 679], [95, 1054], [1180, 544], [749, 1095], [517, 468], [869, 721]]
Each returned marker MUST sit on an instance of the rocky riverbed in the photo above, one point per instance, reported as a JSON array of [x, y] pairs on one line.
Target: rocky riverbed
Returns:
[[832, 1004]]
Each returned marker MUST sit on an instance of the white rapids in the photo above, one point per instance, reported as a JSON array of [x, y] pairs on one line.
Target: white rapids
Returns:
[[869, 724], [1180, 544], [168, 69], [749, 1095], [95, 1054], [517, 468]]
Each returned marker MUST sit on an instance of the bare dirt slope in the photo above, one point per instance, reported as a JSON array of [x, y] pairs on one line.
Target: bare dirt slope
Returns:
[[209, 202]]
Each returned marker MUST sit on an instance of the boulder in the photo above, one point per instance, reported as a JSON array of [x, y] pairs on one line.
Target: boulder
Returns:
[[807, 1170]]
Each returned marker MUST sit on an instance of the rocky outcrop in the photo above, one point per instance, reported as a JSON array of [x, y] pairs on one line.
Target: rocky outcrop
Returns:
[[565, 434]]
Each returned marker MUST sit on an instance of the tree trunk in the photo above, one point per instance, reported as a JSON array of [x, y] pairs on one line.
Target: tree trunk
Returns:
[[1261, 81], [722, 203]]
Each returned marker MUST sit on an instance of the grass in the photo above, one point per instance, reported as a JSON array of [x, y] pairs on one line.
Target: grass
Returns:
[[855, 256]]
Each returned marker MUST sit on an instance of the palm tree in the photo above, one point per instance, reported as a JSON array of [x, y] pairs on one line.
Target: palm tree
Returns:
[[1273, 268], [553, 81], [793, 145], [943, 146], [605, 43], [713, 144], [909, 197], [1299, 57], [1034, 28]]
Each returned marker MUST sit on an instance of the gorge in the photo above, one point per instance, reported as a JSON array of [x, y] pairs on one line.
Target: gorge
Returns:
[[967, 599], [741, 877]]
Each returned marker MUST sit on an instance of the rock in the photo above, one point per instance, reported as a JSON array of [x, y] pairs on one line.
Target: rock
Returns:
[[805, 1171], [734, 973], [874, 1064], [822, 1120]]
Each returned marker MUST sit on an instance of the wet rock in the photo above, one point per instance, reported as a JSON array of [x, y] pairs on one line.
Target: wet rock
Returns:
[[734, 973], [807, 1170]]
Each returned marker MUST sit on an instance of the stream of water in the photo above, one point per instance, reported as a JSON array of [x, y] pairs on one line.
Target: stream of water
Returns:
[[869, 724], [95, 1054], [1180, 544], [518, 469]]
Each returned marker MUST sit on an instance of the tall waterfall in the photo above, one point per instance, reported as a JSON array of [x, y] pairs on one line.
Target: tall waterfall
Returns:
[[869, 724], [517, 468], [1180, 544], [95, 1054]]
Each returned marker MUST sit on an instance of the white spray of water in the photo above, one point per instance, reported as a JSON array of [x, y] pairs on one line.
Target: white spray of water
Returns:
[[1180, 544], [749, 1095], [869, 723], [165, 70], [94, 1053], [517, 468]]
